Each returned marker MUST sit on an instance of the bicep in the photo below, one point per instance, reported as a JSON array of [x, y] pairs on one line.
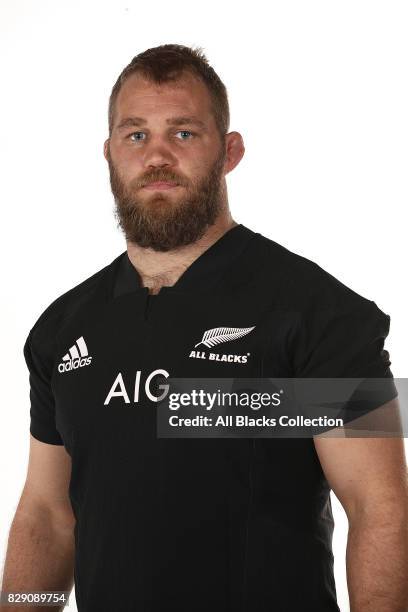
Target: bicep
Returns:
[[367, 474], [46, 486]]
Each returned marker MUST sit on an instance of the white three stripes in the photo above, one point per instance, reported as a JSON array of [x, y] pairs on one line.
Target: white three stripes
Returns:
[[73, 351]]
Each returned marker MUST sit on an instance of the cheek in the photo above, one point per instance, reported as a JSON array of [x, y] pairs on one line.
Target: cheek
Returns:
[[193, 166], [127, 163], [121, 151], [128, 158]]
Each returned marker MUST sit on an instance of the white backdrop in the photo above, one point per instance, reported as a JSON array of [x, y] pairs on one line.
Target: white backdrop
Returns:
[[318, 90]]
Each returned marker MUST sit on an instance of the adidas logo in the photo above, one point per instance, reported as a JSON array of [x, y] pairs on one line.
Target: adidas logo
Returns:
[[77, 357]]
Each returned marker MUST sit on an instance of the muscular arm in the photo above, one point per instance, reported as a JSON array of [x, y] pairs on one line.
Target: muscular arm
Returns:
[[369, 477], [40, 551]]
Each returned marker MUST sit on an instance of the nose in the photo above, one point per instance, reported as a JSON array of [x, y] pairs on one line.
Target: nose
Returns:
[[158, 154]]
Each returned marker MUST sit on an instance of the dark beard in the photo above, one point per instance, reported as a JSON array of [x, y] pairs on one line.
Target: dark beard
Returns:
[[160, 224]]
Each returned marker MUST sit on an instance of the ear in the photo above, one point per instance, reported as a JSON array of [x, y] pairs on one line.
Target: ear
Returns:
[[234, 150], [106, 149]]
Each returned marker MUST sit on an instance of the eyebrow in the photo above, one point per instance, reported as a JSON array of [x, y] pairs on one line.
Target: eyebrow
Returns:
[[139, 121]]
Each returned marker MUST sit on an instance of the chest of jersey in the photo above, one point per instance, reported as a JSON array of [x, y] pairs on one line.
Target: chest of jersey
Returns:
[[113, 360]]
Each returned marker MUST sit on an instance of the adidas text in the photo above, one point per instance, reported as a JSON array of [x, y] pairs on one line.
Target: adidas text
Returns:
[[77, 357], [74, 364]]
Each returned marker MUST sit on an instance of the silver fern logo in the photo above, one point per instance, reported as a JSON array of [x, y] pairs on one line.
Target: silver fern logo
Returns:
[[216, 335], [219, 335]]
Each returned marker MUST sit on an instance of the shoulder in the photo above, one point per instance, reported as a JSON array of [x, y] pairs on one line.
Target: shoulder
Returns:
[[301, 283], [91, 292], [335, 331]]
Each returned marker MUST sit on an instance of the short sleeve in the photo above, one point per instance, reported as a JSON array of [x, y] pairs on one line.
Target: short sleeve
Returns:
[[42, 404], [347, 342]]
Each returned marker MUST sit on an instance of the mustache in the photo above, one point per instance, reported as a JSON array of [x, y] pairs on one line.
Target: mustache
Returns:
[[160, 176], [155, 175]]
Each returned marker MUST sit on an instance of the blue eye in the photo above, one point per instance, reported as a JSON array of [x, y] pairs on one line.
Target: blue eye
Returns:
[[184, 132], [133, 133]]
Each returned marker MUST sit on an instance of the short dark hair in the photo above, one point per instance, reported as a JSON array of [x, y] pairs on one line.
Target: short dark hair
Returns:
[[166, 63]]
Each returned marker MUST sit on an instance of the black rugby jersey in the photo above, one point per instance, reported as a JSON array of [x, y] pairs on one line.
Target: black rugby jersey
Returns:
[[216, 524]]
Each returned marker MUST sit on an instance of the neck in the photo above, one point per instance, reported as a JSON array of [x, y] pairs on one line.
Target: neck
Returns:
[[158, 269]]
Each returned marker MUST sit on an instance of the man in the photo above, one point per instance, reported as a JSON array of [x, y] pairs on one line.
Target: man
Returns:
[[153, 524]]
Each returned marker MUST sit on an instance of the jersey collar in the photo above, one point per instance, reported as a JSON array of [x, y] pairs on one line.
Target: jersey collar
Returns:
[[204, 273]]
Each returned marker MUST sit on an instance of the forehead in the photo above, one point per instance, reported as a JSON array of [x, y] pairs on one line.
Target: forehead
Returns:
[[139, 96]]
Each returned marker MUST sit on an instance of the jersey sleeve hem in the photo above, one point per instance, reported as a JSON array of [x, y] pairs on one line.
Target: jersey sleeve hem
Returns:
[[43, 435]]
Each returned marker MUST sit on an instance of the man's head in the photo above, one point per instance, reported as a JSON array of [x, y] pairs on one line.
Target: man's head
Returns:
[[168, 121]]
